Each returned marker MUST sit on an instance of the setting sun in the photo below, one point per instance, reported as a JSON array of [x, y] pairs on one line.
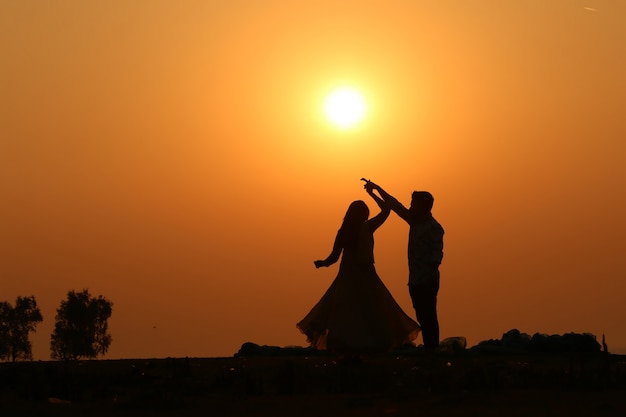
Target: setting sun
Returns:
[[345, 107]]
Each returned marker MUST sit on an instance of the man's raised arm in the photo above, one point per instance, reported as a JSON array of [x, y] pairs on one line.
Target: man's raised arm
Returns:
[[390, 200]]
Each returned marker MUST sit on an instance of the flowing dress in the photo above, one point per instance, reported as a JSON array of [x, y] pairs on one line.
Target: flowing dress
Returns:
[[358, 314]]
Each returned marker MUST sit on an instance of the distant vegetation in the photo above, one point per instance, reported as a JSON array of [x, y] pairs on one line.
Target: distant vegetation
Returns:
[[81, 327], [16, 324], [80, 331]]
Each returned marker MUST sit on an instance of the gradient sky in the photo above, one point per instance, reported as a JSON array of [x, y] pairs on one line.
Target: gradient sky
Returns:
[[174, 158]]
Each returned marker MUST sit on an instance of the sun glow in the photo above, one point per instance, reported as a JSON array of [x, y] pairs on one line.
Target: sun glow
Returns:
[[345, 107]]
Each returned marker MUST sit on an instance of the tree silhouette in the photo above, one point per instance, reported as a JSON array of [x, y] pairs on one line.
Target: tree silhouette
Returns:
[[81, 327], [16, 323]]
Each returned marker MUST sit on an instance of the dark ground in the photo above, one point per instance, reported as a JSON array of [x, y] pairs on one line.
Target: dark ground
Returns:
[[456, 384]]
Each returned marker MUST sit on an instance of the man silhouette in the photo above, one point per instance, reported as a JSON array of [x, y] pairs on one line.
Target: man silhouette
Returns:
[[425, 253]]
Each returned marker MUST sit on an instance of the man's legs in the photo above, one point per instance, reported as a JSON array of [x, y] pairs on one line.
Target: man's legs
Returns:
[[424, 298]]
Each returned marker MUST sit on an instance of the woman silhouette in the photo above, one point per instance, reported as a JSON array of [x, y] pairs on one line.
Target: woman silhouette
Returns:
[[357, 314]]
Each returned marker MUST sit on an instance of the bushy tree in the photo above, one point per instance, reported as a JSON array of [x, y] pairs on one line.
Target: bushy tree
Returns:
[[81, 327], [16, 323]]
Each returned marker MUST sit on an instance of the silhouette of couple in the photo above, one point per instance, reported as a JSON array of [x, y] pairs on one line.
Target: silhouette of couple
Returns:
[[357, 314]]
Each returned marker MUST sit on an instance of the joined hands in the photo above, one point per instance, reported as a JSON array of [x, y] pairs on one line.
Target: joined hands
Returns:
[[369, 185]]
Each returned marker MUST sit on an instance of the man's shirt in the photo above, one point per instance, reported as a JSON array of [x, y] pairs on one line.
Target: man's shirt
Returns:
[[425, 250]]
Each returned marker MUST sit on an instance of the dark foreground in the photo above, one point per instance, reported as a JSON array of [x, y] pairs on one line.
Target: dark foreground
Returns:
[[462, 384]]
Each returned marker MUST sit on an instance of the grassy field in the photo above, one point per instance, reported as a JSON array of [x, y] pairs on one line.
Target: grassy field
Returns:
[[461, 384]]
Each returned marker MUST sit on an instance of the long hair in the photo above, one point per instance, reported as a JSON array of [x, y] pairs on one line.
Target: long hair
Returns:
[[357, 213]]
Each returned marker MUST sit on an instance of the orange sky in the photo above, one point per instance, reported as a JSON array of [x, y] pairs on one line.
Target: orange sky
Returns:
[[173, 157]]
